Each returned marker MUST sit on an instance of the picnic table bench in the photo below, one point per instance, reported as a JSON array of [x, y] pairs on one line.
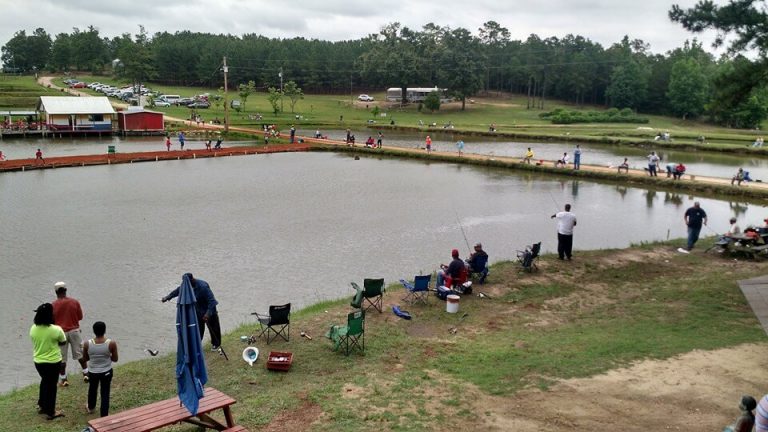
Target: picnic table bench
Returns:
[[168, 412]]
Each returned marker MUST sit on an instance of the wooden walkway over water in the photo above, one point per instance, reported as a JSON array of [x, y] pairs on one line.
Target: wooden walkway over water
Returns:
[[153, 156]]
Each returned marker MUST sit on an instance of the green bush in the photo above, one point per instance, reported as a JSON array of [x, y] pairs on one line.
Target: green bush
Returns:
[[613, 115]]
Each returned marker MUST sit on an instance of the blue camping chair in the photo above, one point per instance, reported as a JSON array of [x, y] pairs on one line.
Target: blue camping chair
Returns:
[[418, 291]]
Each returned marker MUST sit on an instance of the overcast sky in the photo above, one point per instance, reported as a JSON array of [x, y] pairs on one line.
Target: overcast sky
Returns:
[[603, 21]]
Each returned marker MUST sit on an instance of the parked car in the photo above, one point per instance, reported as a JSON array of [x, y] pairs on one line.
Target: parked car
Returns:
[[199, 104], [365, 98], [184, 101], [235, 104], [162, 103], [78, 84]]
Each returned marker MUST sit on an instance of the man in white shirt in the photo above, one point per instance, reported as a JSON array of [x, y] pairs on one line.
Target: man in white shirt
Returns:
[[565, 223]]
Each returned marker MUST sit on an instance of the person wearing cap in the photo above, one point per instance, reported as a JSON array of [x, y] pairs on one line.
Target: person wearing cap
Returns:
[[47, 337], [205, 307], [565, 223], [746, 421], [455, 271], [694, 217], [478, 262], [68, 314]]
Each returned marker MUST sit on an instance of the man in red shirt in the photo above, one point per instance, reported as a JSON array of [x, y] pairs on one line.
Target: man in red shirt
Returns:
[[67, 315]]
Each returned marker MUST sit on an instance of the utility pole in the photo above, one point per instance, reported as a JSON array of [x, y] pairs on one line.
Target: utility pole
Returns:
[[280, 74], [226, 104]]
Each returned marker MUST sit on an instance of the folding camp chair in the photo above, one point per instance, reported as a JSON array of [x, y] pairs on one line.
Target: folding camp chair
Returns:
[[529, 257], [277, 323], [357, 300], [418, 291], [350, 336], [373, 293]]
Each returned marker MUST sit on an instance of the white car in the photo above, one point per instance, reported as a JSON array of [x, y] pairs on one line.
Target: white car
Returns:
[[162, 103], [365, 98]]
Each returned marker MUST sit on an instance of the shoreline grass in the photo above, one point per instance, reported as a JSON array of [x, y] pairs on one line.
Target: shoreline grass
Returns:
[[607, 309]]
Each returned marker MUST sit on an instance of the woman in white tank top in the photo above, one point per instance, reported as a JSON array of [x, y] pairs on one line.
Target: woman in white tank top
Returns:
[[100, 352]]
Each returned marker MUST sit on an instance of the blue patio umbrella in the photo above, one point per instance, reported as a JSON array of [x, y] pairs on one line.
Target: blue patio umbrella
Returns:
[[191, 374]]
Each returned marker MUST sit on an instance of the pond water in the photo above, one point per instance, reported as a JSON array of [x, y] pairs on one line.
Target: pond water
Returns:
[[278, 228], [26, 148], [707, 164]]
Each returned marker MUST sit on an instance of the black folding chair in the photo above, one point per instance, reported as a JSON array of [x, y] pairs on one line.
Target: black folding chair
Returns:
[[529, 257], [277, 323]]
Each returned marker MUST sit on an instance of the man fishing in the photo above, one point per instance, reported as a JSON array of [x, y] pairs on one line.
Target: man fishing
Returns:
[[205, 306], [694, 217], [565, 223], [478, 262], [453, 272]]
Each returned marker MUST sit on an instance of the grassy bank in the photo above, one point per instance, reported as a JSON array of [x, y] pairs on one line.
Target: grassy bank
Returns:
[[21, 93], [604, 310]]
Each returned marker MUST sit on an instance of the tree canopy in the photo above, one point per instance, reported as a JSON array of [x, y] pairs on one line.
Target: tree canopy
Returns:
[[570, 68]]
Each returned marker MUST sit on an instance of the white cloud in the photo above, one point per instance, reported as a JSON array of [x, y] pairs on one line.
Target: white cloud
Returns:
[[603, 21]]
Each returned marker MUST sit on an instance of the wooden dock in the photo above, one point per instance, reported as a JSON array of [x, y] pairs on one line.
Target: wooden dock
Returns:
[[153, 156]]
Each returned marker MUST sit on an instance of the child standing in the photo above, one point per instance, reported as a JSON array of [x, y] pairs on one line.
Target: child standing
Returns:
[[99, 352]]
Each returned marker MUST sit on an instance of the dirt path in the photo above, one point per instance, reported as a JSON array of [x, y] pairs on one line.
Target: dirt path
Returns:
[[697, 391]]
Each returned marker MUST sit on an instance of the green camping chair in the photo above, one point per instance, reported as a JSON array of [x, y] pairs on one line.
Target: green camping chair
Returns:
[[373, 293], [357, 300], [350, 336]]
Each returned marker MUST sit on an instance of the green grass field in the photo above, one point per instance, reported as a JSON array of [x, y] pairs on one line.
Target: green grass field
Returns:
[[21, 92]]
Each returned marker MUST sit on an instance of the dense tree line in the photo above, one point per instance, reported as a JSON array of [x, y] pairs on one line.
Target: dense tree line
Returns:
[[686, 82]]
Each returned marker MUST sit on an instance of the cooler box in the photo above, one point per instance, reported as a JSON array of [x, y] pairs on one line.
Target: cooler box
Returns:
[[279, 361]]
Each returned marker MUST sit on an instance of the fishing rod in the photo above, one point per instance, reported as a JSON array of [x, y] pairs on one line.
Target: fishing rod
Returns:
[[557, 206], [462, 231]]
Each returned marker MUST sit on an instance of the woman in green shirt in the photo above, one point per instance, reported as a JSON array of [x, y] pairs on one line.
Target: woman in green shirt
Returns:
[[46, 339]]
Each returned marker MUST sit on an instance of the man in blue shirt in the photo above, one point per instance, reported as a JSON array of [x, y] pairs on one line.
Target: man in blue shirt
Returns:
[[478, 262], [694, 217], [205, 307]]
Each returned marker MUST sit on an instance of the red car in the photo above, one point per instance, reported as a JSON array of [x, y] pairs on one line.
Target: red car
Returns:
[[78, 85]]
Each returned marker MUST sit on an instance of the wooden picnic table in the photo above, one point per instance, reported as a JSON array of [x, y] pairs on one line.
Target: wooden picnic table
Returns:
[[168, 412]]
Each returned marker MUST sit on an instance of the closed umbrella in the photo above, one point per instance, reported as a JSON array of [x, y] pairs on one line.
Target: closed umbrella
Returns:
[[191, 374]]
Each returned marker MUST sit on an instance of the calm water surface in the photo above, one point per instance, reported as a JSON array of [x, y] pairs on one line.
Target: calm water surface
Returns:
[[272, 229]]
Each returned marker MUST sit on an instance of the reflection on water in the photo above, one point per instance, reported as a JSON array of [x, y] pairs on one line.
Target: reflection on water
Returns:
[[272, 229]]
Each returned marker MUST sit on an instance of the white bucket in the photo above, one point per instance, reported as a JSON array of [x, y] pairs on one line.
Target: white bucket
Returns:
[[452, 303]]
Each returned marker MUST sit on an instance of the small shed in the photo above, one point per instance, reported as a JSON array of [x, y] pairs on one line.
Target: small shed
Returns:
[[140, 121], [76, 114]]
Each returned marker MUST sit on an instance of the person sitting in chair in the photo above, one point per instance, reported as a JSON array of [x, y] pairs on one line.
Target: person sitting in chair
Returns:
[[624, 166], [448, 274], [739, 177], [562, 162], [478, 263], [679, 171]]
